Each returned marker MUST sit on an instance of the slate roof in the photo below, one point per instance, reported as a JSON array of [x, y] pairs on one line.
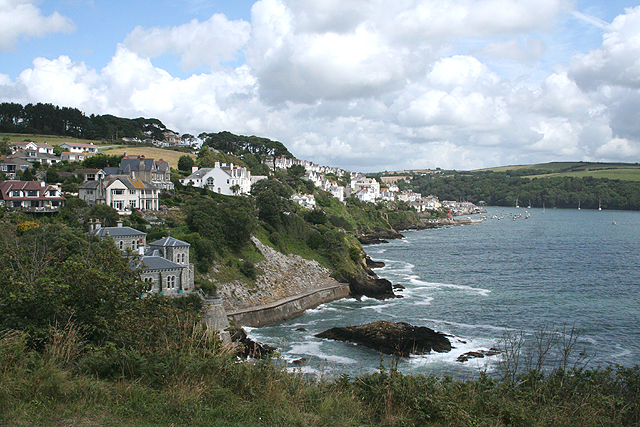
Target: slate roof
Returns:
[[169, 242], [118, 232], [159, 263]]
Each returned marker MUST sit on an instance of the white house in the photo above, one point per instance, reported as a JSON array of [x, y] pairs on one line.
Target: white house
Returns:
[[121, 192], [79, 147], [369, 185], [228, 180], [305, 200], [39, 147]]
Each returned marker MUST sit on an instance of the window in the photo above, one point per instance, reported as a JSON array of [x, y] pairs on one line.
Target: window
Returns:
[[15, 193], [171, 282], [121, 245], [132, 203], [210, 181], [132, 191], [117, 204], [119, 192]]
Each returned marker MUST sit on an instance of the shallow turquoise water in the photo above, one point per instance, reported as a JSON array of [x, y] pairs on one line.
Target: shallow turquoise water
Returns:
[[558, 269]]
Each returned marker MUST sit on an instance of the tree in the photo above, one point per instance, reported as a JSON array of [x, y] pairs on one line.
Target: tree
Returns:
[[272, 200], [106, 214], [185, 163]]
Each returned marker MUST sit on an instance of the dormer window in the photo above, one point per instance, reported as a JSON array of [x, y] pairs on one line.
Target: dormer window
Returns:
[[32, 193]]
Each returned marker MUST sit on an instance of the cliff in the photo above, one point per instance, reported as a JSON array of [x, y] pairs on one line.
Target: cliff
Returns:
[[283, 276]]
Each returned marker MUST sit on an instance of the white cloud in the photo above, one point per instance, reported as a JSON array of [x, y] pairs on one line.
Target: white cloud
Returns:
[[360, 91], [20, 18], [619, 148], [196, 43], [617, 60]]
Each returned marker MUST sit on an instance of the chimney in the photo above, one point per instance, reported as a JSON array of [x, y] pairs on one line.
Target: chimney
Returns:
[[119, 223], [194, 169], [97, 226], [141, 250]]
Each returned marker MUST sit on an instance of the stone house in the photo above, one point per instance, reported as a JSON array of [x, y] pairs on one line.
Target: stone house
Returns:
[[164, 265]]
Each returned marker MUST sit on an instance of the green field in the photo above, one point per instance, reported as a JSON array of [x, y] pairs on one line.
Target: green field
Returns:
[[622, 171], [49, 139]]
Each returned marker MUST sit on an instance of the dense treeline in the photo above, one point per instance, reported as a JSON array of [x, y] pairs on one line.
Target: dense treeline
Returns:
[[501, 189], [240, 144], [49, 119]]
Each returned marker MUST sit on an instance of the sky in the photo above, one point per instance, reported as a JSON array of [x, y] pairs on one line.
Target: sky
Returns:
[[365, 85]]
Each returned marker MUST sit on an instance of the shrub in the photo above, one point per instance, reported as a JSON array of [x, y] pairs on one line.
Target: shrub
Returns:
[[248, 269]]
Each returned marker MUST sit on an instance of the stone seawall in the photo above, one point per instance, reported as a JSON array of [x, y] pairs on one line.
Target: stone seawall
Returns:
[[289, 307]]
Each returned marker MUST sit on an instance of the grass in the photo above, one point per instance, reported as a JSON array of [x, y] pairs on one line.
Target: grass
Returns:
[[49, 139], [621, 171], [150, 152]]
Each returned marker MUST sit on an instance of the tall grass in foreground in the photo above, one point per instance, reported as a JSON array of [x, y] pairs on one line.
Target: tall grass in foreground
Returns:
[[202, 384]]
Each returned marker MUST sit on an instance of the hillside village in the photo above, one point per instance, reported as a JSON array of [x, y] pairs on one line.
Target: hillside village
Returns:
[[137, 181]]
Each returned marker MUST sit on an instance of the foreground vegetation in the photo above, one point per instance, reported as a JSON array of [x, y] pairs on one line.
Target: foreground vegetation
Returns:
[[190, 380]]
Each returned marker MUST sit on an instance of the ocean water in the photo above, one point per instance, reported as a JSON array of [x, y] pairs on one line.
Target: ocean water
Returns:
[[557, 270]]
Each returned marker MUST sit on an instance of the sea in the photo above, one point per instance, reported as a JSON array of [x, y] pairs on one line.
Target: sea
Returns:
[[521, 279]]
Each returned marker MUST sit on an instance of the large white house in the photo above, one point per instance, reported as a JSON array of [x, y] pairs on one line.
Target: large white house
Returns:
[[121, 192], [228, 180]]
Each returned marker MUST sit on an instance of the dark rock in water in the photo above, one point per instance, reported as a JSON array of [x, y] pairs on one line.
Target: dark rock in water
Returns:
[[379, 237], [299, 362], [301, 329], [399, 338], [477, 354], [374, 288], [249, 348], [398, 287], [373, 264]]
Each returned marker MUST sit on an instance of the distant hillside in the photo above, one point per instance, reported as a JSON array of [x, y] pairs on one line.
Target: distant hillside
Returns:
[[622, 171]]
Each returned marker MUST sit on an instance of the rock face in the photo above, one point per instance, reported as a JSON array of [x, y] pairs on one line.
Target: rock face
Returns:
[[399, 338], [282, 276]]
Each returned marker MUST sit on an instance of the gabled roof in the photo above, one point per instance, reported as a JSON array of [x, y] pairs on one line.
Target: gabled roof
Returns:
[[200, 173], [7, 186], [169, 242], [130, 183]]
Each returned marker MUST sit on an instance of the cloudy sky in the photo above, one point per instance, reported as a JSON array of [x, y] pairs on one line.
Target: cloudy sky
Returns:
[[367, 85]]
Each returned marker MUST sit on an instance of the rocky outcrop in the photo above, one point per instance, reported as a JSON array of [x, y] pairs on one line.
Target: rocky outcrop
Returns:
[[477, 354], [373, 264], [247, 347], [373, 287], [399, 338], [379, 237]]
